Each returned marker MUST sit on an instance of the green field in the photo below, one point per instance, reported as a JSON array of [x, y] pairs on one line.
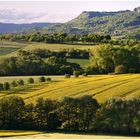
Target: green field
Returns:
[[10, 48], [101, 87], [82, 62]]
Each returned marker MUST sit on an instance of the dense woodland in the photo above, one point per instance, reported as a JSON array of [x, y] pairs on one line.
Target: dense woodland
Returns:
[[84, 114], [106, 58], [57, 38]]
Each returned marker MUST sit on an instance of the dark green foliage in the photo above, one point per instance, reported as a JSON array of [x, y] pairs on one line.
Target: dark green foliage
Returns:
[[106, 57], [76, 73], [6, 86], [20, 82], [48, 79], [115, 116], [1, 86], [67, 75], [31, 80], [42, 79], [29, 63], [57, 38], [121, 69], [14, 84], [11, 112]]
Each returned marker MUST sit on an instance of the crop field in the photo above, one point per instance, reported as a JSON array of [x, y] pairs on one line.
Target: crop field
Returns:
[[16, 134], [101, 87]]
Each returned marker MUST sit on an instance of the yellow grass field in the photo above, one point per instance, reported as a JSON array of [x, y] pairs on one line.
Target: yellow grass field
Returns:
[[20, 134], [101, 87]]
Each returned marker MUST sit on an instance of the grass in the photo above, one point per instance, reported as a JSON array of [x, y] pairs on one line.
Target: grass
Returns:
[[9, 47], [11, 133], [82, 62], [20, 134], [101, 87], [7, 50]]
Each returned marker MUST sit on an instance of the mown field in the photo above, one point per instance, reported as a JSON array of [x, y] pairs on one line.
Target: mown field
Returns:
[[101, 87], [16, 134]]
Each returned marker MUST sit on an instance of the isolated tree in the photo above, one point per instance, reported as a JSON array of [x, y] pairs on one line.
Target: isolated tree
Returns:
[[31, 80], [20, 82], [42, 79], [6, 86], [14, 83]]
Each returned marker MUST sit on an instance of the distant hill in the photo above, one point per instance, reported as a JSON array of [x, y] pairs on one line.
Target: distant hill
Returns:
[[14, 28], [121, 23]]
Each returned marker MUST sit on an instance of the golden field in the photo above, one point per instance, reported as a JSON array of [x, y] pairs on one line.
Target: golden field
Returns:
[[101, 87]]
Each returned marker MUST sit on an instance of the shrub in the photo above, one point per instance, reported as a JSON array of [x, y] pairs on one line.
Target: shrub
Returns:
[[31, 80], [1, 86], [42, 79], [85, 74], [14, 83], [67, 75], [6, 86], [121, 69], [20, 82], [76, 73], [48, 79]]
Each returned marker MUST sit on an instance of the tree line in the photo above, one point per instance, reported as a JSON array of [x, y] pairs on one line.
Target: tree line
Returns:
[[83, 114], [109, 58], [56, 38], [65, 53], [28, 63]]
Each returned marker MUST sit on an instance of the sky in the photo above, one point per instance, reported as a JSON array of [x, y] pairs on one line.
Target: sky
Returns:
[[57, 11]]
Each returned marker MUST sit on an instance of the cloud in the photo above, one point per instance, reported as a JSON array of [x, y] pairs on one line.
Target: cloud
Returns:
[[17, 16]]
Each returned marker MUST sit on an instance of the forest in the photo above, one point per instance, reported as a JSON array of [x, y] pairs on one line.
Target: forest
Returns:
[[84, 114]]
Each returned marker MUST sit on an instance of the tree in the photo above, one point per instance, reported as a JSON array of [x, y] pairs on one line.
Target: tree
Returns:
[[31, 80], [6, 86], [121, 69], [11, 112], [20, 82], [42, 79], [14, 83], [76, 73], [1, 86]]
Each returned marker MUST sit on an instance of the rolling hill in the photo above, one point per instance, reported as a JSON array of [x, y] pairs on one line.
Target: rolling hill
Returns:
[[18, 28], [101, 87], [121, 23]]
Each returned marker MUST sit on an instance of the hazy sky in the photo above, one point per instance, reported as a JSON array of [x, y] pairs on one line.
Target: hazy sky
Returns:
[[57, 11]]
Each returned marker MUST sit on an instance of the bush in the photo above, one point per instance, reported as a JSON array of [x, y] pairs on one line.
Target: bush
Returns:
[[1, 86], [20, 82], [67, 75], [31, 80], [85, 74], [6, 86], [14, 83], [42, 79], [76, 73], [121, 69], [48, 79]]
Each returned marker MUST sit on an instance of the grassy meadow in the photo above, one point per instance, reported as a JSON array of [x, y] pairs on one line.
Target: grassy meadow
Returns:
[[8, 48], [101, 87]]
